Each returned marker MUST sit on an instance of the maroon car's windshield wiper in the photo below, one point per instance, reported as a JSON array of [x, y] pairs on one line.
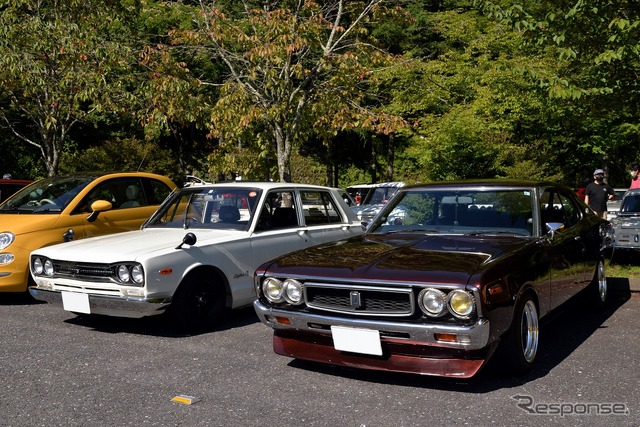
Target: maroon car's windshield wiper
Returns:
[[412, 230], [496, 233]]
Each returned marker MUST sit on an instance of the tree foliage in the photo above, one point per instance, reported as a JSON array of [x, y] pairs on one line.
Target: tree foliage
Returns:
[[332, 90], [61, 63], [290, 73]]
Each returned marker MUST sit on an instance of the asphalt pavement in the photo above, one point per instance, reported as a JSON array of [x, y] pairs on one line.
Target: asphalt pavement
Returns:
[[57, 369]]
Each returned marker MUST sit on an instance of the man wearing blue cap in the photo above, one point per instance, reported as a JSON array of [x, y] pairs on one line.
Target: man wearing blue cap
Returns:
[[597, 193]]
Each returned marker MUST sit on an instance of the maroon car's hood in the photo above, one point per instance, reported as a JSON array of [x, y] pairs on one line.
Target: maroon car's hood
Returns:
[[445, 259]]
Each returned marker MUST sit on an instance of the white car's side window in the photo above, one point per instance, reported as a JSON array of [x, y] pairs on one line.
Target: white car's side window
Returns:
[[319, 208], [279, 211]]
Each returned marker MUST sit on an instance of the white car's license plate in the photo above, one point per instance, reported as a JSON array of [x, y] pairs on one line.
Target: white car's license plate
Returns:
[[76, 302], [364, 341]]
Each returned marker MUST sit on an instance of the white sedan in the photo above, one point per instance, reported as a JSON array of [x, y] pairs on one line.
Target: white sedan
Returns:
[[196, 256]]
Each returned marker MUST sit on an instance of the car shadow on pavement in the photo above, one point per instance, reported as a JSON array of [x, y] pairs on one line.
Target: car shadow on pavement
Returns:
[[161, 325], [559, 338], [22, 298]]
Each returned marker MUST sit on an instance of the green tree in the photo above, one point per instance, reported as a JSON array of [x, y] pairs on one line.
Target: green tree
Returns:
[[290, 73], [596, 49], [62, 63]]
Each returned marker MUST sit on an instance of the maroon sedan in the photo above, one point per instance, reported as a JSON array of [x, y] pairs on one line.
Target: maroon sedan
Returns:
[[446, 275], [9, 186]]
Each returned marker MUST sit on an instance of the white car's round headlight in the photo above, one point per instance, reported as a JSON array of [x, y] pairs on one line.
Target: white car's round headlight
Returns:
[[432, 302], [292, 291], [38, 267], [123, 273], [137, 274], [461, 303], [6, 238], [272, 289], [48, 268]]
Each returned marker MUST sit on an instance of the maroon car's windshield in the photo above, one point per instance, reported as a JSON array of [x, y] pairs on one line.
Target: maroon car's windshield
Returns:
[[465, 211]]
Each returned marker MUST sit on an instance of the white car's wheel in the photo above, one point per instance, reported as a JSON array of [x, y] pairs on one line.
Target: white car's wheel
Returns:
[[198, 303]]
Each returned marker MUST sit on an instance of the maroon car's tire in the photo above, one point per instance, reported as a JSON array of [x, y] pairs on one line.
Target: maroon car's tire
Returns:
[[599, 289], [198, 303], [519, 346]]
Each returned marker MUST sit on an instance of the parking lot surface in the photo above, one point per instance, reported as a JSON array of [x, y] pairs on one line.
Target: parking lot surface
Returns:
[[57, 369]]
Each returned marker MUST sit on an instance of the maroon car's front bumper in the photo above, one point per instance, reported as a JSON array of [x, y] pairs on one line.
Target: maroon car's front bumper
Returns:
[[406, 348], [398, 357]]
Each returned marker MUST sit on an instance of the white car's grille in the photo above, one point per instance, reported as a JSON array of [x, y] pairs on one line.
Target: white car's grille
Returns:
[[92, 272]]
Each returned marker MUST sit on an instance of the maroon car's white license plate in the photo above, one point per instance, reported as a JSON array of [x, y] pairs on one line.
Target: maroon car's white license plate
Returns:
[[364, 341]]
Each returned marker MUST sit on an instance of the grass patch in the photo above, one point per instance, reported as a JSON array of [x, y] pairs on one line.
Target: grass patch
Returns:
[[622, 268]]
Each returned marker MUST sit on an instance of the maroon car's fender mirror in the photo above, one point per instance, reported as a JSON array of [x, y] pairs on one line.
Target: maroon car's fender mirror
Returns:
[[554, 227]]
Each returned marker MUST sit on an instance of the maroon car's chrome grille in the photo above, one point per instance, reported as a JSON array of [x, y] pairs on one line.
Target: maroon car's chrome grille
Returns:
[[360, 300], [93, 272]]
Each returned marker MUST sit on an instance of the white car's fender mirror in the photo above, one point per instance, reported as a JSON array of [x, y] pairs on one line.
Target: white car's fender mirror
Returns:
[[189, 239]]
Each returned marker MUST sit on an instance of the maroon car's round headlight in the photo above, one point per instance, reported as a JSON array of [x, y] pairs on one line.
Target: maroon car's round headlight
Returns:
[[461, 304], [272, 289], [432, 302], [292, 291]]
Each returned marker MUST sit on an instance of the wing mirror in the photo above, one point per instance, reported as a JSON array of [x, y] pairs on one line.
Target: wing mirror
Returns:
[[189, 239], [97, 207], [554, 227]]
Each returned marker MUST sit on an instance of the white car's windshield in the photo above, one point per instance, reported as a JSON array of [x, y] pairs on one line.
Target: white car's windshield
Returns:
[[206, 207], [467, 211]]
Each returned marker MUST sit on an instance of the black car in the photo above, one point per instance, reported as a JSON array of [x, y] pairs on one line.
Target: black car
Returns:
[[447, 274]]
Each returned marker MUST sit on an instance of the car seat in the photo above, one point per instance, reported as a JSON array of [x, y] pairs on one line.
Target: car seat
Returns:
[[229, 214], [132, 193]]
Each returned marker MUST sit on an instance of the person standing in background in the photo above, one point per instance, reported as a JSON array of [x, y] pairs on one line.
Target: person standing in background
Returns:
[[635, 176], [597, 193]]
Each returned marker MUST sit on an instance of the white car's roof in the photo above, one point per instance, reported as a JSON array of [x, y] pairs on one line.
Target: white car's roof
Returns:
[[264, 185]]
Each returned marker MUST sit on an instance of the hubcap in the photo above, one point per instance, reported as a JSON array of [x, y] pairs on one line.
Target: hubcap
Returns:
[[530, 331], [602, 282]]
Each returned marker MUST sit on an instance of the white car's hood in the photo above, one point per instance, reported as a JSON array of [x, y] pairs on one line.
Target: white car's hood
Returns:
[[130, 245]]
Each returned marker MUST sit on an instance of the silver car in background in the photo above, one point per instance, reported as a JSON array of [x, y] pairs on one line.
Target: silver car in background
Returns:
[[626, 224], [613, 206], [376, 198]]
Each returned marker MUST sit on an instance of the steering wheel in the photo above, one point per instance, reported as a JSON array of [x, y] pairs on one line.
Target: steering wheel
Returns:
[[193, 219], [45, 201]]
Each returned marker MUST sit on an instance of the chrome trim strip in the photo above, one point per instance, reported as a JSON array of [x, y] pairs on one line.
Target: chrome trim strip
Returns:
[[328, 281], [407, 292], [478, 333]]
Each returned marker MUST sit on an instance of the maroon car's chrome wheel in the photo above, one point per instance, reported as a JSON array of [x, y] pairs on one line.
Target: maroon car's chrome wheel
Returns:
[[530, 331], [602, 283]]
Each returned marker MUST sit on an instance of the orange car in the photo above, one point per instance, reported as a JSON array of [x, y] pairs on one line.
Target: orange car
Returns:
[[59, 209]]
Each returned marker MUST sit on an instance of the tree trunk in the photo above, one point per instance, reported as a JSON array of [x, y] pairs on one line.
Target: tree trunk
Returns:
[[391, 154]]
